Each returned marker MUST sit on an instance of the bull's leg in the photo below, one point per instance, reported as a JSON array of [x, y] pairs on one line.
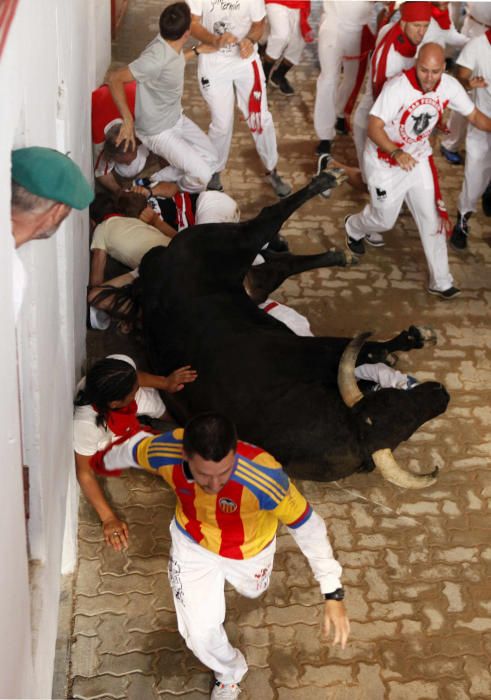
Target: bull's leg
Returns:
[[261, 280], [266, 225], [415, 337]]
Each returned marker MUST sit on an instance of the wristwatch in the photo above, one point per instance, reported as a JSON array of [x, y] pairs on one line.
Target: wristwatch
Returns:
[[338, 594]]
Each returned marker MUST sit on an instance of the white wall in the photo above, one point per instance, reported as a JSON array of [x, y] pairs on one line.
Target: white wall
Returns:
[[54, 57]]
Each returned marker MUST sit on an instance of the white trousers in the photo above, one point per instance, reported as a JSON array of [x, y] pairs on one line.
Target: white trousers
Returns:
[[221, 78], [197, 579], [335, 42], [389, 188], [477, 172], [285, 38], [189, 151]]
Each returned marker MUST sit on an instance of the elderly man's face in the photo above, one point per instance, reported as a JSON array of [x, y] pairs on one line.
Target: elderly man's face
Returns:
[[415, 31], [54, 217]]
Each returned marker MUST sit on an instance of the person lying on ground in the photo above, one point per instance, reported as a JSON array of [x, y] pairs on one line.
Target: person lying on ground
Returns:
[[107, 405]]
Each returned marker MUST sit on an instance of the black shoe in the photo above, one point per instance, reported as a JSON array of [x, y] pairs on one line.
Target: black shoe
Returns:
[[458, 239], [341, 127], [356, 246], [449, 293], [282, 83], [324, 147], [486, 200], [215, 183]]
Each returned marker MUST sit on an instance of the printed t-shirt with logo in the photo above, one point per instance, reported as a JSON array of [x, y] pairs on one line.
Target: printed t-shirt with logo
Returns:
[[410, 115], [233, 16], [242, 519]]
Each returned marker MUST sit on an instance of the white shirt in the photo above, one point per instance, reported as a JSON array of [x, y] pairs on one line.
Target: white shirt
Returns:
[[410, 115], [88, 437], [476, 56], [444, 37], [234, 16]]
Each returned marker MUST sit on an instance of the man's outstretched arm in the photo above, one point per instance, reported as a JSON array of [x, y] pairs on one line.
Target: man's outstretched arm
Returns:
[[116, 80]]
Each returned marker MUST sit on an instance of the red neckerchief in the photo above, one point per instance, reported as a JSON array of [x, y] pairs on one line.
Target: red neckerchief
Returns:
[[304, 7], [184, 210], [367, 42], [412, 76], [124, 423], [395, 37], [441, 16], [254, 118], [110, 216], [488, 35]]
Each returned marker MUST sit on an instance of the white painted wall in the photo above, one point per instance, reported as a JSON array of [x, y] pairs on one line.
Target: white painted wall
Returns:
[[56, 53]]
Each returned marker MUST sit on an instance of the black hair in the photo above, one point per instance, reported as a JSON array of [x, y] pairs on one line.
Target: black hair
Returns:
[[102, 205], [130, 203], [108, 380], [210, 435], [174, 21], [110, 149]]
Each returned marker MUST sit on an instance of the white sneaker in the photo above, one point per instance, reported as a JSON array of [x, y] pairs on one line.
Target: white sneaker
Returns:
[[99, 320], [375, 239], [225, 691]]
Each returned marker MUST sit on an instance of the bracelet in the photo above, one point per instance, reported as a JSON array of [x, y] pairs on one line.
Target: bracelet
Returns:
[[396, 150], [194, 49]]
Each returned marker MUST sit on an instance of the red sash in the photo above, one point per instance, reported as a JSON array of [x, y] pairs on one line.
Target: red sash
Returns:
[[446, 225], [395, 37], [254, 118], [269, 307], [488, 35], [124, 424]]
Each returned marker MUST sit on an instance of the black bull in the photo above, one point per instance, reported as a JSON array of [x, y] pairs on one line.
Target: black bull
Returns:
[[280, 389]]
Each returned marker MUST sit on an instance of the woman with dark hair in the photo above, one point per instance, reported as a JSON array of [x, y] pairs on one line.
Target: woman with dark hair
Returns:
[[107, 405]]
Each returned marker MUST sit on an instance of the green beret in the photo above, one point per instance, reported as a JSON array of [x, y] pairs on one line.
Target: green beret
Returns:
[[50, 174]]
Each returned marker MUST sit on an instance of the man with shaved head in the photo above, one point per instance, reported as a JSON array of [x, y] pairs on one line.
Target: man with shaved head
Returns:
[[399, 163]]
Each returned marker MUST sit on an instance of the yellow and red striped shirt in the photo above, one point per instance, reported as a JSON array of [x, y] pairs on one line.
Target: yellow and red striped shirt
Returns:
[[240, 520]]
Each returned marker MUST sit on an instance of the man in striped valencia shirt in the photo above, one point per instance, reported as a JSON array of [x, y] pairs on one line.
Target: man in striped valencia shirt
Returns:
[[230, 497]]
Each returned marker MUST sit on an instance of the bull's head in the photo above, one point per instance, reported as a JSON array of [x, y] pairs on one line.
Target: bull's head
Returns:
[[389, 417]]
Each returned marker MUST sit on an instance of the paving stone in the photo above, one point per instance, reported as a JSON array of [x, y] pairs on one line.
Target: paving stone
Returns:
[[141, 687], [85, 658], [422, 690], [103, 687]]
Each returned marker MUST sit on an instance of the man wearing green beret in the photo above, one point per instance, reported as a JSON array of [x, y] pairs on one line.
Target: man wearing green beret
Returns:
[[46, 185]]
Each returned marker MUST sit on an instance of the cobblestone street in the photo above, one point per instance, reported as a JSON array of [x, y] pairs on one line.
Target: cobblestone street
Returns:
[[416, 564]]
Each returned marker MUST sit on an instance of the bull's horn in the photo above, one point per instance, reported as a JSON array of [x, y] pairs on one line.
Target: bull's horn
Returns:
[[390, 470], [348, 388]]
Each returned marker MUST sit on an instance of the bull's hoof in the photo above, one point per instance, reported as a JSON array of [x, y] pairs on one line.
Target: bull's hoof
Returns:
[[327, 179], [424, 334], [391, 359], [351, 259]]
